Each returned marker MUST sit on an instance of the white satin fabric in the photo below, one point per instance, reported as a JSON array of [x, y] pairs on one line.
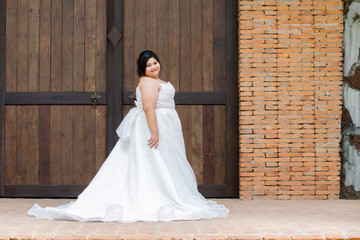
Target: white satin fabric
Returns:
[[137, 183]]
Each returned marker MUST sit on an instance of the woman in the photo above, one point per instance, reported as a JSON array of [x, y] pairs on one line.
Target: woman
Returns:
[[146, 177]]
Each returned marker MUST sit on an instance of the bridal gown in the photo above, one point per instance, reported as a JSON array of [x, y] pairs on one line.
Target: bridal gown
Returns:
[[137, 183]]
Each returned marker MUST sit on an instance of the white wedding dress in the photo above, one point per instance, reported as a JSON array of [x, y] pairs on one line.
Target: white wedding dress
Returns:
[[137, 183]]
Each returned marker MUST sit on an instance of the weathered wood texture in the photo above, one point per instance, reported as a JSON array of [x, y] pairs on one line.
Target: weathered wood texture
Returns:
[[191, 38], [2, 92], [43, 149], [114, 69], [58, 49], [57, 46], [56, 52], [53, 98]]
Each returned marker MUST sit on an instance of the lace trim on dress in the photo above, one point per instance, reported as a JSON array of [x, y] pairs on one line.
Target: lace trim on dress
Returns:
[[114, 213]]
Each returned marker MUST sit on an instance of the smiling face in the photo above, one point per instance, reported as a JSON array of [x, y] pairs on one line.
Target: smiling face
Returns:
[[152, 68]]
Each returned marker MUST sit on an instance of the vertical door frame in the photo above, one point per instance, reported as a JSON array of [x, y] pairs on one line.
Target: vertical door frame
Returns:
[[114, 69], [2, 92], [232, 100]]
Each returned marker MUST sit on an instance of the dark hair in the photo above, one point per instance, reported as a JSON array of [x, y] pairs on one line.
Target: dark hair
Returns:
[[142, 61]]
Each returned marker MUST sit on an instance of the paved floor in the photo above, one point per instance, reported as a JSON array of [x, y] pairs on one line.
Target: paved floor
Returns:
[[260, 219]]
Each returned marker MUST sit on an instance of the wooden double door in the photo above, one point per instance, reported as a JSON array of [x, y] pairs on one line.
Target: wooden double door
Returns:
[[68, 67]]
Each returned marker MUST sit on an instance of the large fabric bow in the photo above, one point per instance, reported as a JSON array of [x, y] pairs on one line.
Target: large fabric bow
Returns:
[[126, 126]]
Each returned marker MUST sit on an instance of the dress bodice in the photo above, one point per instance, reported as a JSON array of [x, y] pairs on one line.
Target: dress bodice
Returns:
[[165, 98]]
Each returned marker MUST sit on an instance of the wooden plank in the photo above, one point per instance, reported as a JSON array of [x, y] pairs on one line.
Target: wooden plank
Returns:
[[34, 45], [219, 76], [184, 113], [78, 145], [126, 109], [10, 145], [32, 172], [190, 98], [67, 46], [208, 145], [55, 145], [100, 139], [44, 144], [11, 44], [89, 141], [207, 45], [111, 77], [197, 142], [219, 71], [220, 144], [56, 36], [185, 60], [185, 72], [53, 98], [45, 25], [100, 61], [90, 44], [196, 40], [67, 86], [140, 33], [3, 41], [23, 46], [207, 85], [163, 38], [174, 43], [66, 144], [21, 144], [151, 25], [79, 45], [232, 154], [130, 76], [114, 73], [187, 129]]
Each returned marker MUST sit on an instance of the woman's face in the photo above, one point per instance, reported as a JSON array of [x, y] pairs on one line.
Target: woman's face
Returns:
[[152, 68]]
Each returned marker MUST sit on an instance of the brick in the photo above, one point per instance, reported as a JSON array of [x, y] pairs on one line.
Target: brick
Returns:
[[290, 119], [70, 237], [209, 237], [335, 237], [42, 237], [139, 237], [105, 238], [244, 237]]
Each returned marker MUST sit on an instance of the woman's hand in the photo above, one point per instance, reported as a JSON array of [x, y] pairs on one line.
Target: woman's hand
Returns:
[[153, 141]]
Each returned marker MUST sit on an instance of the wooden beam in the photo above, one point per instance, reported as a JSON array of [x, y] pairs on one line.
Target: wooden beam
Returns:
[[52, 98], [114, 70], [44, 191], [191, 98], [232, 123], [211, 191], [2, 92], [72, 191]]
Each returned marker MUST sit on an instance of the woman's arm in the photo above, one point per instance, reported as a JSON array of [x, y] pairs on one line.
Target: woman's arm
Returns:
[[149, 95]]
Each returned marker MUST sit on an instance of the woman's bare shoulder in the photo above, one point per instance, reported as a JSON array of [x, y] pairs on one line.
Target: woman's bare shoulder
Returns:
[[148, 82]]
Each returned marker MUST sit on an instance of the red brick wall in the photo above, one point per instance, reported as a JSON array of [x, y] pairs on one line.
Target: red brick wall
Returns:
[[290, 77]]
